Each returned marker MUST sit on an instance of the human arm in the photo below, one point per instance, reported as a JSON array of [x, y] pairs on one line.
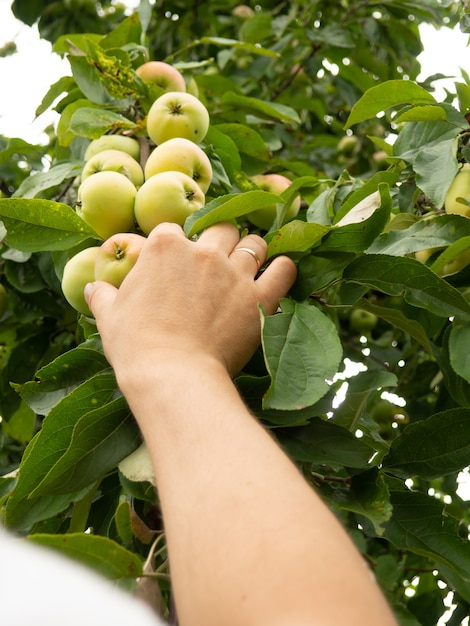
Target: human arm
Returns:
[[250, 543]]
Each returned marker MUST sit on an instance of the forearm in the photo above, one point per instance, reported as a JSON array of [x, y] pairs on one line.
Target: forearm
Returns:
[[249, 541]]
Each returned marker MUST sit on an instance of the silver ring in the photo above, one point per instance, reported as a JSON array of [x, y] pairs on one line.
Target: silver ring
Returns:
[[253, 254]]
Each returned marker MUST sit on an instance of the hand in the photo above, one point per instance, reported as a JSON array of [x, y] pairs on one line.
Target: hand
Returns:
[[199, 298]]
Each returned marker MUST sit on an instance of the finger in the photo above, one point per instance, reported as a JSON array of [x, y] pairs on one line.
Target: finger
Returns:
[[275, 282], [250, 253], [100, 297], [221, 236]]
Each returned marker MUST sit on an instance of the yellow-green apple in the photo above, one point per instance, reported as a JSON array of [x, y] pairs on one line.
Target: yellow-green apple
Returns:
[[181, 155], [192, 87], [424, 255], [113, 142], [457, 198], [177, 114], [114, 161], [78, 271], [362, 321], [117, 256], [459, 262], [162, 74], [106, 202], [167, 197], [275, 183]]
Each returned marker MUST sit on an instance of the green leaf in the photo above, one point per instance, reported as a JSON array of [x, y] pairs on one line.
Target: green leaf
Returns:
[[36, 183], [459, 356], [435, 232], [48, 446], [228, 207], [425, 113], [302, 350], [35, 225], [100, 440], [325, 443], [419, 525], [419, 286], [56, 379], [102, 554], [247, 139], [94, 122], [433, 447], [388, 94], [239, 45], [431, 149], [295, 236], [269, 110]]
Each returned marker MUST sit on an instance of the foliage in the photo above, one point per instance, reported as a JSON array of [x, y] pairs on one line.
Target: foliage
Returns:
[[283, 83]]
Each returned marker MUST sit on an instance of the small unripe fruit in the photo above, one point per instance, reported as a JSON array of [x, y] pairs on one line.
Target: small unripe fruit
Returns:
[[362, 321], [78, 271], [457, 198]]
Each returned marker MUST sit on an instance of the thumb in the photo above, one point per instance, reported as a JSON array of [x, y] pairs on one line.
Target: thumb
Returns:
[[100, 297]]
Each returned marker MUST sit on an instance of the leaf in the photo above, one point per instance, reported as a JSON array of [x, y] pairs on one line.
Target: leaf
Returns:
[[102, 554], [228, 207], [248, 140], [431, 149], [48, 446], [56, 379], [100, 440], [240, 45], [436, 232], [302, 350], [94, 122], [35, 225], [270, 110], [433, 447], [390, 93], [41, 181], [419, 525], [419, 286], [459, 355], [357, 236], [295, 236], [325, 443]]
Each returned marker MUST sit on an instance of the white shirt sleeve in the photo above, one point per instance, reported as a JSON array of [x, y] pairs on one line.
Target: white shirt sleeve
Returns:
[[41, 587]]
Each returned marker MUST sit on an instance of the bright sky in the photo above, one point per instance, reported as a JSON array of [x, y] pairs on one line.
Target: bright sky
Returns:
[[29, 73]]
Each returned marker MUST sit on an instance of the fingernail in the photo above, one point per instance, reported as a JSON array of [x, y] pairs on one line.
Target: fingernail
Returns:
[[87, 291]]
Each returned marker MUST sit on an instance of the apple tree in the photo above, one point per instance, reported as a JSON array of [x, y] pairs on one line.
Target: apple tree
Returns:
[[363, 374]]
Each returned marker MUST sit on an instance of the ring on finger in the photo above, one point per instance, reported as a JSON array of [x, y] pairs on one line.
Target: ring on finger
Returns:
[[253, 254]]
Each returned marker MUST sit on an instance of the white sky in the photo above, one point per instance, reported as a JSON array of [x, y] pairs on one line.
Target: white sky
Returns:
[[27, 75]]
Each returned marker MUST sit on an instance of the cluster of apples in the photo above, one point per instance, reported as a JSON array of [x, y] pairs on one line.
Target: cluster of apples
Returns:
[[123, 196], [123, 199]]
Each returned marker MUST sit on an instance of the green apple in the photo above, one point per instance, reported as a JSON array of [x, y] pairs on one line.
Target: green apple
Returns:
[[348, 145], [362, 321], [78, 271], [177, 114], [459, 262], [106, 203], [167, 197], [117, 256], [457, 198], [424, 255], [113, 142], [276, 183], [114, 161], [181, 155], [162, 74]]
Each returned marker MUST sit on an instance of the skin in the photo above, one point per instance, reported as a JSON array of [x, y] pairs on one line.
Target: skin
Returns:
[[250, 543]]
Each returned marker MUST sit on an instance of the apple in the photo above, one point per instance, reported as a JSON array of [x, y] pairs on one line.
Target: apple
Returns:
[[459, 262], [78, 271], [113, 142], [348, 145], [106, 203], [276, 183], [114, 161], [138, 467], [117, 256], [162, 74], [457, 198], [177, 114], [181, 155], [167, 197], [362, 321]]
